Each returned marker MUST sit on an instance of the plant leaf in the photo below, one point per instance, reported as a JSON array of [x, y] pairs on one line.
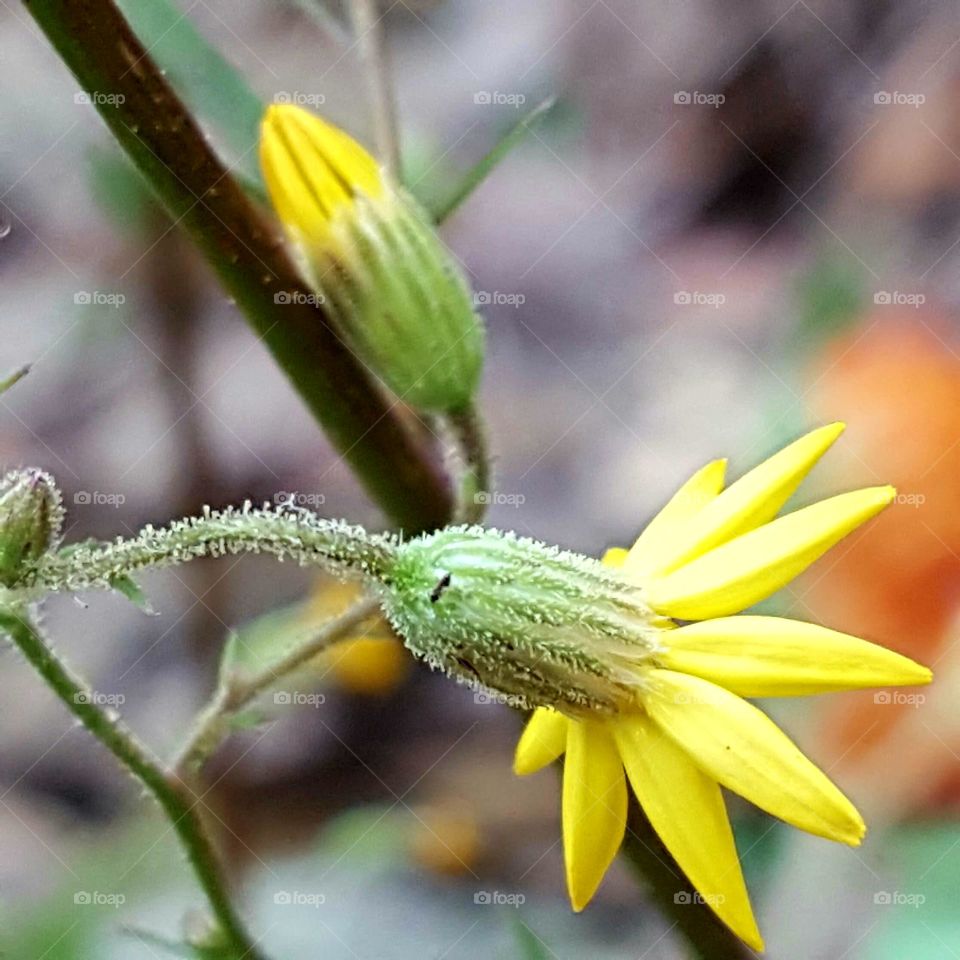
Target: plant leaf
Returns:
[[14, 378], [127, 586], [443, 209]]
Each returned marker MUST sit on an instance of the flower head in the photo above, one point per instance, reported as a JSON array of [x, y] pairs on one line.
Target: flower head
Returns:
[[31, 519], [688, 731], [372, 253]]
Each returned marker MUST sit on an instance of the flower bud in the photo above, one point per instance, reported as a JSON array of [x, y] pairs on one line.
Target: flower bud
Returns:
[[543, 626], [373, 255], [31, 518]]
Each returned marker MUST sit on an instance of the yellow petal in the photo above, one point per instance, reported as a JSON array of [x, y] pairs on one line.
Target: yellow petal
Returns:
[[774, 657], [594, 807], [748, 569], [543, 740], [687, 811], [750, 502], [744, 750], [659, 535], [615, 556], [312, 169]]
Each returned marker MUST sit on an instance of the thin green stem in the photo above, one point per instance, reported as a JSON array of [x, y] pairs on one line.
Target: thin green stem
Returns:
[[370, 36], [166, 144], [474, 492], [236, 691], [173, 796]]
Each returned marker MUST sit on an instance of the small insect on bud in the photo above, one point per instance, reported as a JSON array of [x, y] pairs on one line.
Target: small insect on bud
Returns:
[[543, 626], [372, 254], [31, 518]]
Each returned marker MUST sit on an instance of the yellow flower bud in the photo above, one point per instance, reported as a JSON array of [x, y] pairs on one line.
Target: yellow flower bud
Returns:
[[372, 254]]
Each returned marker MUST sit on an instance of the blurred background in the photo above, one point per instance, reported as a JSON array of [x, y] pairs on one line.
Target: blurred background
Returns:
[[738, 222]]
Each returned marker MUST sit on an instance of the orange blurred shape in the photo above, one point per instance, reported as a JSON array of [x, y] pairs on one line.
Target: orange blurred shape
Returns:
[[371, 660], [445, 840], [369, 665], [895, 380]]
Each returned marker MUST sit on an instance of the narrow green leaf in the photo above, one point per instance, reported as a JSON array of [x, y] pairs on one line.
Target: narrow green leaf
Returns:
[[14, 378], [131, 590], [441, 210]]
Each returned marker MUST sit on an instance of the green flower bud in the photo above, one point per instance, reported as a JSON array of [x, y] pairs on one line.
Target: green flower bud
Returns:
[[372, 253], [541, 625], [31, 518]]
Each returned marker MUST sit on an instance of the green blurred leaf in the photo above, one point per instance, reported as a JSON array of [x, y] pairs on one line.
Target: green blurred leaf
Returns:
[[529, 945], [120, 191], [264, 641], [212, 88], [830, 299], [915, 901]]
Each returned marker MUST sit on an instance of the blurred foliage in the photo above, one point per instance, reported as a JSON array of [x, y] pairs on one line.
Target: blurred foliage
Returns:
[[211, 87]]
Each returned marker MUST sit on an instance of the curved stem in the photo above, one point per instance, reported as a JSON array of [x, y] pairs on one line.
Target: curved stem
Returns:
[[237, 691], [332, 545], [176, 800], [474, 493], [201, 195], [369, 37]]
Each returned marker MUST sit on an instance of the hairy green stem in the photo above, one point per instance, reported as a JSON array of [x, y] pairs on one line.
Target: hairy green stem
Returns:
[[333, 545], [474, 493], [237, 691], [173, 796], [201, 195]]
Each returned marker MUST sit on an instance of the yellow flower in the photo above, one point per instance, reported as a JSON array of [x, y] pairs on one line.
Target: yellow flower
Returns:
[[708, 554], [373, 256]]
